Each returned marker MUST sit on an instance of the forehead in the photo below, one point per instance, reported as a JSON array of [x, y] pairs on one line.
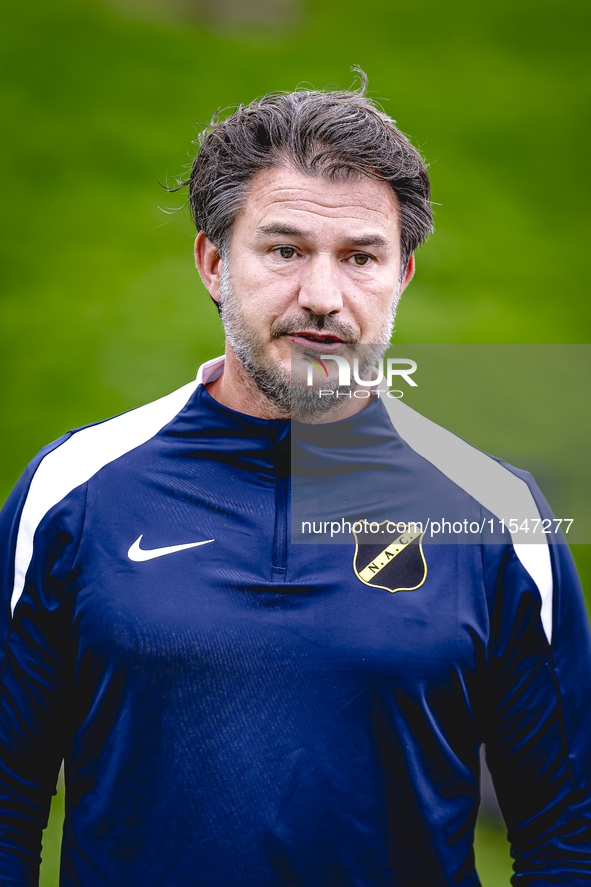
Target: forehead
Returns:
[[314, 203]]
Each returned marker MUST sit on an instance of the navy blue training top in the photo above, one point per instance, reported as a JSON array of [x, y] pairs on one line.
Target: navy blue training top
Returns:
[[238, 710]]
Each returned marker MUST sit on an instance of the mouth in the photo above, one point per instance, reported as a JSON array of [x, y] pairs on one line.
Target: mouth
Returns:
[[316, 341]]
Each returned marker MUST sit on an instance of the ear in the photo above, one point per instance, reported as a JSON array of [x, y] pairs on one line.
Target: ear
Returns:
[[408, 275], [209, 265]]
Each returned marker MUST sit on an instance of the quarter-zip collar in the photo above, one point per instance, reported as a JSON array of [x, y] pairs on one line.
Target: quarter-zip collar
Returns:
[[264, 445]]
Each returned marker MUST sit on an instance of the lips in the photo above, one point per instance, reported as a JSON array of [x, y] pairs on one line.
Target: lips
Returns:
[[315, 340], [316, 337]]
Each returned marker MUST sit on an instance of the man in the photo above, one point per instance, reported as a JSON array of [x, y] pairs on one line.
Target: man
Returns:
[[234, 709]]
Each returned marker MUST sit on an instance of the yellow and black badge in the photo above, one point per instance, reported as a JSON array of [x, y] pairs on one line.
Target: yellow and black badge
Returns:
[[390, 560]]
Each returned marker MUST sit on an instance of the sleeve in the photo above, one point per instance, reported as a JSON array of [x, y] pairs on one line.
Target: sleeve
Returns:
[[36, 673], [536, 711]]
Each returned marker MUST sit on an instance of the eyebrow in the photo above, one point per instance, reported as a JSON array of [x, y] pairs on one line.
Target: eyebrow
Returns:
[[281, 230], [370, 240]]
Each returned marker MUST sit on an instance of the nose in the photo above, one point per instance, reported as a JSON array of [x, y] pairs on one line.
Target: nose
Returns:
[[320, 290]]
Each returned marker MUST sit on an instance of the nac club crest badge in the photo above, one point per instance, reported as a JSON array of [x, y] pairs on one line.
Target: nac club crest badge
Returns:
[[393, 561]]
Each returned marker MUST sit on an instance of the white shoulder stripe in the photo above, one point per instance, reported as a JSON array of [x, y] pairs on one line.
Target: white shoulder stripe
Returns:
[[79, 458], [496, 488], [536, 560]]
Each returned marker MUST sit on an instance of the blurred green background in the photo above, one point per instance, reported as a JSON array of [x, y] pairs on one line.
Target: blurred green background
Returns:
[[101, 309]]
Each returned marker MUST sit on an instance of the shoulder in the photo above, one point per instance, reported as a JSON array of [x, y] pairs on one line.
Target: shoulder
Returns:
[[51, 484], [76, 457], [500, 488], [508, 493]]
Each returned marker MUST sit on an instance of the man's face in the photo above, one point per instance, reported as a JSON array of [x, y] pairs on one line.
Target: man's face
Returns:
[[314, 268]]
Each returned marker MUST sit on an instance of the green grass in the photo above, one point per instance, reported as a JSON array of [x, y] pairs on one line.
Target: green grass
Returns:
[[493, 862], [52, 841]]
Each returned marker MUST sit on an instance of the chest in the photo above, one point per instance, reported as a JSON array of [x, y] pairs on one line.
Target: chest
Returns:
[[178, 572]]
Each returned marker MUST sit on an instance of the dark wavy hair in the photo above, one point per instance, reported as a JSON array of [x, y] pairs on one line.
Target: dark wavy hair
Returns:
[[335, 135]]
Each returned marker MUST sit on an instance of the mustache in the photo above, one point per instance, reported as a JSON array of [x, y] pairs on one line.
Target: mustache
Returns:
[[321, 323]]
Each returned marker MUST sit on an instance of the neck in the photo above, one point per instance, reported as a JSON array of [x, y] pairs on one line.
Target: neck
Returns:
[[236, 390]]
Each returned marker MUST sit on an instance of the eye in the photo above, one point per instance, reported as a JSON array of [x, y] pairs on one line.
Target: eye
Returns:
[[286, 252], [361, 258]]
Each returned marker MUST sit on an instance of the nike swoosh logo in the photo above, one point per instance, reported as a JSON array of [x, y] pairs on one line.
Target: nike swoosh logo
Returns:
[[136, 553]]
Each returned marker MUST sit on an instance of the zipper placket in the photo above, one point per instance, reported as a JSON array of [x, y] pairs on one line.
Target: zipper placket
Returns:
[[281, 504]]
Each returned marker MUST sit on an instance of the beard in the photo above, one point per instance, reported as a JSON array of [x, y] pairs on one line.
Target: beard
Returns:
[[291, 396]]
